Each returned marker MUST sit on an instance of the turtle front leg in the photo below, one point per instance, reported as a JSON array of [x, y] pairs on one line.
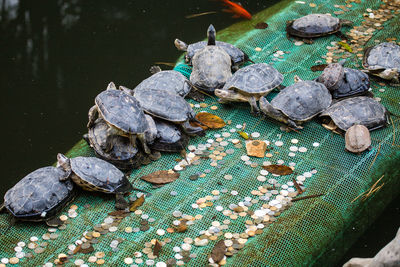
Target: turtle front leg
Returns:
[[93, 114], [120, 202], [142, 139], [255, 111], [293, 125]]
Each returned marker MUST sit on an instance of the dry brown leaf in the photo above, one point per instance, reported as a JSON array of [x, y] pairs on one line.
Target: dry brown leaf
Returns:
[[218, 252], [319, 67], [136, 204], [118, 213], [196, 124], [157, 248], [261, 25], [182, 227], [161, 177], [279, 169], [210, 120]]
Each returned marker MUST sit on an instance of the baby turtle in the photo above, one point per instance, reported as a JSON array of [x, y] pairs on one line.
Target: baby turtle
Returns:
[[169, 138], [211, 65], [94, 174], [249, 84], [357, 110], [315, 25], [123, 113], [168, 106], [344, 82], [40, 195], [357, 139], [383, 60], [297, 103]]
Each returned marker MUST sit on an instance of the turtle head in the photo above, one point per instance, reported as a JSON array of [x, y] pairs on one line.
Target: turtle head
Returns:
[[229, 96], [126, 90], [211, 35], [297, 79], [270, 111], [65, 164], [180, 45], [390, 74], [111, 86]]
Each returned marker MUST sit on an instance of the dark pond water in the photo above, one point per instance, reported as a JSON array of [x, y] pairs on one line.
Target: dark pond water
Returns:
[[56, 56]]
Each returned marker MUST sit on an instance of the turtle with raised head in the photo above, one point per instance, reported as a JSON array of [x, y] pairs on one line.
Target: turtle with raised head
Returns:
[[211, 65], [357, 139], [249, 84], [169, 137], [315, 25], [297, 103], [383, 60]]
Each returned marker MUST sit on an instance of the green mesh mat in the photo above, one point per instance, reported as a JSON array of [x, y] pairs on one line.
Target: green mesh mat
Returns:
[[315, 231]]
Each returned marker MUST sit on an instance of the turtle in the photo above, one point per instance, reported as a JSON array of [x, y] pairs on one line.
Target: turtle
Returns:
[[211, 65], [361, 110], [169, 137], [297, 103], [250, 83], [123, 113], [344, 82], [94, 174], [39, 196], [168, 106], [315, 25], [383, 60], [357, 139]]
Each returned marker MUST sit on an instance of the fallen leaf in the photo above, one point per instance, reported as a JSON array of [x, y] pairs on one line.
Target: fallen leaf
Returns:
[[210, 120], [319, 67], [278, 169], [118, 213], [261, 25], [182, 227], [160, 177], [345, 46], [157, 248], [243, 134], [218, 252], [136, 204]]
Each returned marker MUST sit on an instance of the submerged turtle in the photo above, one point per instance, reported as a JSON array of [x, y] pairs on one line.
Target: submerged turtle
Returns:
[[344, 82], [40, 195], [249, 84], [315, 25], [357, 110], [211, 65], [297, 103], [123, 113], [357, 139], [383, 60], [169, 137], [168, 106], [94, 174]]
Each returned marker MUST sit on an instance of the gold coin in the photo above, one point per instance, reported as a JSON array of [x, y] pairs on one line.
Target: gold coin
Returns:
[[14, 260], [63, 218], [258, 231], [233, 216], [312, 5], [214, 107], [92, 259], [100, 262], [214, 164], [191, 105], [213, 237], [242, 214], [202, 175], [269, 155], [209, 204], [273, 208], [208, 197], [251, 233], [74, 207], [170, 230], [198, 217], [202, 205], [258, 49], [100, 254]]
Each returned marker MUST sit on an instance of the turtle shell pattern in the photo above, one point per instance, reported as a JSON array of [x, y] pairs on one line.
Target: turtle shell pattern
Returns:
[[356, 82], [314, 25], [169, 137], [331, 76], [258, 78], [39, 193], [164, 104], [94, 174], [122, 111], [211, 68], [357, 110], [382, 56], [357, 138], [303, 100], [169, 80]]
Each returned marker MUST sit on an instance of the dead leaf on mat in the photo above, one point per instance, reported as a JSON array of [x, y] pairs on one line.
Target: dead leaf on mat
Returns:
[[137, 203], [320, 67], [279, 169], [157, 248], [160, 177], [210, 120], [218, 252]]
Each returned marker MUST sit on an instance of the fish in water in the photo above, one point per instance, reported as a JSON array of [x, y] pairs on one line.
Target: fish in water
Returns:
[[235, 8]]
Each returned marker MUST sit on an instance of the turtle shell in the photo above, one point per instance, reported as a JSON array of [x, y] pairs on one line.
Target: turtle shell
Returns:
[[169, 137], [332, 75], [163, 104], [211, 68], [258, 78], [122, 155], [357, 138], [94, 174], [303, 100], [313, 25], [122, 111], [169, 80], [355, 82], [382, 56], [357, 110], [39, 195]]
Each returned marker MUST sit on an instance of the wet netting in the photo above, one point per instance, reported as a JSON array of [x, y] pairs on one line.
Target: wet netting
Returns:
[[315, 231]]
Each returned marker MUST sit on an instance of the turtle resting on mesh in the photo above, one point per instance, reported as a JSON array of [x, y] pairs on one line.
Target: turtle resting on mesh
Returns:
[[169, 137], [122, 113], [315, 25], [383, 60], [40, 195], [360, 110], [94, 174], [249, 84], [357, 139], [211, 65], [297, 103], [344, 82]]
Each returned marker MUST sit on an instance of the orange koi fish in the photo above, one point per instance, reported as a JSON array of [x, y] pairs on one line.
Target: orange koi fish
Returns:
[[236, 9]]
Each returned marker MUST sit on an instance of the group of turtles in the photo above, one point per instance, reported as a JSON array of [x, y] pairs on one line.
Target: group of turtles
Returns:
[[128, 128]]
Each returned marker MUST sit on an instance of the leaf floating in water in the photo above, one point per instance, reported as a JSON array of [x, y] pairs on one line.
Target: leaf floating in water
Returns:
[[345, 46], [136, 204], [261, 25], [210, 120], [161, 177], [243, 134], [319, 67], [157, 248], [218, 252], [278, 169]]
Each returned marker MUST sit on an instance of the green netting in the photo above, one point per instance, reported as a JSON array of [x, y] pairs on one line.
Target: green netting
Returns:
[[311, 232]]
